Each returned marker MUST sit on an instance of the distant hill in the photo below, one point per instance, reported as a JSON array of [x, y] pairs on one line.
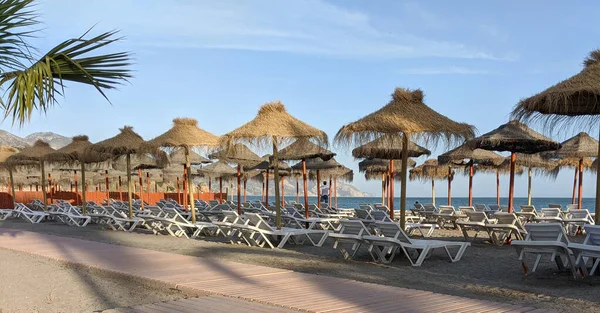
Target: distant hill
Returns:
[[8, 139], [55, 141]]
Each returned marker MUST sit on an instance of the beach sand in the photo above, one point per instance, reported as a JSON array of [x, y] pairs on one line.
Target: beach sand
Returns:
[[485, 272], [30, 283]]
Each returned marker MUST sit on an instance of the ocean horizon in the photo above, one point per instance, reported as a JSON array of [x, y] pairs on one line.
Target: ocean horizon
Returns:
[[538, 202]]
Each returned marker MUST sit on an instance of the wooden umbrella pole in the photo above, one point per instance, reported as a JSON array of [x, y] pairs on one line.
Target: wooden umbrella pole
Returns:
[[178, 194], [330, 192], [129, 191], [318, 189], [497, 187], [580, 184], [382, 189], [433, 191], [262, 190], [76, 188], [185, 188], [189, 183], [12, 186], [148, 187], [387, 189], [449, 185], [44, 185], [83, 185], [107, 187], [297, 190], [511, 190], [245, 180], [239, 185], [267, 189], [471, 183], [120, 189], [335, 191], [403, 178], [51, 187], [392, 189], [529, 174], [220, 189], [305, 187], [597, 204], [575, 185], [141, 182], [282, 192], [275, 180]]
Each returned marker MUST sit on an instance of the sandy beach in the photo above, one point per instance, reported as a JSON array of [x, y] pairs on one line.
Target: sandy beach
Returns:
[[485, 272]]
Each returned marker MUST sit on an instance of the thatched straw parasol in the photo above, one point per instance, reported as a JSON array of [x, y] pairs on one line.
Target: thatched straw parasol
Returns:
[[32, 157], [498, 169], [239, 154], [574, 100], [474, 156], [127, 142], [515, 137], [380, 164], [317, 165], [381, 167], [184, 134], [218, 170], [405, 114], [578, 147], [265, 166], [74, 153], [432, 170], [533, 162], [341, 173], [303, 149], [178, 157], [5, 152], [274, 125]]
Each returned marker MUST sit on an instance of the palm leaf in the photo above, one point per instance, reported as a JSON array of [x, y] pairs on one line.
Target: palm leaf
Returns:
[[16, 19], [35, 88]]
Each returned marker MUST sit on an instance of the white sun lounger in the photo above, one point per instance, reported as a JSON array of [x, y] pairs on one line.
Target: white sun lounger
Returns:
[[546, 239], [28, 214], [391, 238], [589, 250], [6, 214], [351, 231], [549, 215], [528, 213], [507, 225], [258, 232], [477, 222], [178, 226], [576, 219]]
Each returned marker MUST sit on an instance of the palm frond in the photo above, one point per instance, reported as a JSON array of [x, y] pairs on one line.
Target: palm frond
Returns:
[[16, 19], [36, 87]]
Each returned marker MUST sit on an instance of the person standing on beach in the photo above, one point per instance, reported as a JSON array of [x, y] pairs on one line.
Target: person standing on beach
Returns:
[[324, 193]]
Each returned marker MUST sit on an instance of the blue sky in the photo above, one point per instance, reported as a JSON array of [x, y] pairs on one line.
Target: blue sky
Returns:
[[331, 62]]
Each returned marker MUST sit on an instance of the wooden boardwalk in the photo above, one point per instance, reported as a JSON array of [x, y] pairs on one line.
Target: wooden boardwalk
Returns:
[[269, 286]]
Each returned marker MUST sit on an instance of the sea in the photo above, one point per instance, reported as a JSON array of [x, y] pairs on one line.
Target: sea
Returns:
[[354, 202]]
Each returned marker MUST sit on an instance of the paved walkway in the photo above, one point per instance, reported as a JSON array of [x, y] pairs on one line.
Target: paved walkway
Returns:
[[282, 288]]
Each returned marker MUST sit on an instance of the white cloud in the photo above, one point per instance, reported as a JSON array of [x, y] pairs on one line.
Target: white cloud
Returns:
[[452, 70], [296, 26]]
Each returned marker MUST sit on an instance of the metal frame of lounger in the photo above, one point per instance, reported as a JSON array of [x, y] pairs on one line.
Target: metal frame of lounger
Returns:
[[549, 215], [507, 225], [546, 239], [527, 214], [351, 231], [588, 250], [390, 239], [70, 215], [258, 232]]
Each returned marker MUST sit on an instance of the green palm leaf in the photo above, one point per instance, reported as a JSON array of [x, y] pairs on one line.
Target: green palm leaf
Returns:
[[35, 87]]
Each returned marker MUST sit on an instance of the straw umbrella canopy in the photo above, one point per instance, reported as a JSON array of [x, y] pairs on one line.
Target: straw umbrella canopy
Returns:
[[579, 147], [267, 165], [303, 149], [514, 137], [127, 142], [405, 114], [274, 125], [32, 157], [185, 134], [218, 170], [342, 173], [474, 156], [5, 152], [573, 100], [381, 167], [239, 154], [74, 153], [317, 165], [178, 157], [432, 170]]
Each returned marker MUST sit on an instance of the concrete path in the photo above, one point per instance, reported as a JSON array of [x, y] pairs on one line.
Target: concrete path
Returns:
[[269, 286]]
